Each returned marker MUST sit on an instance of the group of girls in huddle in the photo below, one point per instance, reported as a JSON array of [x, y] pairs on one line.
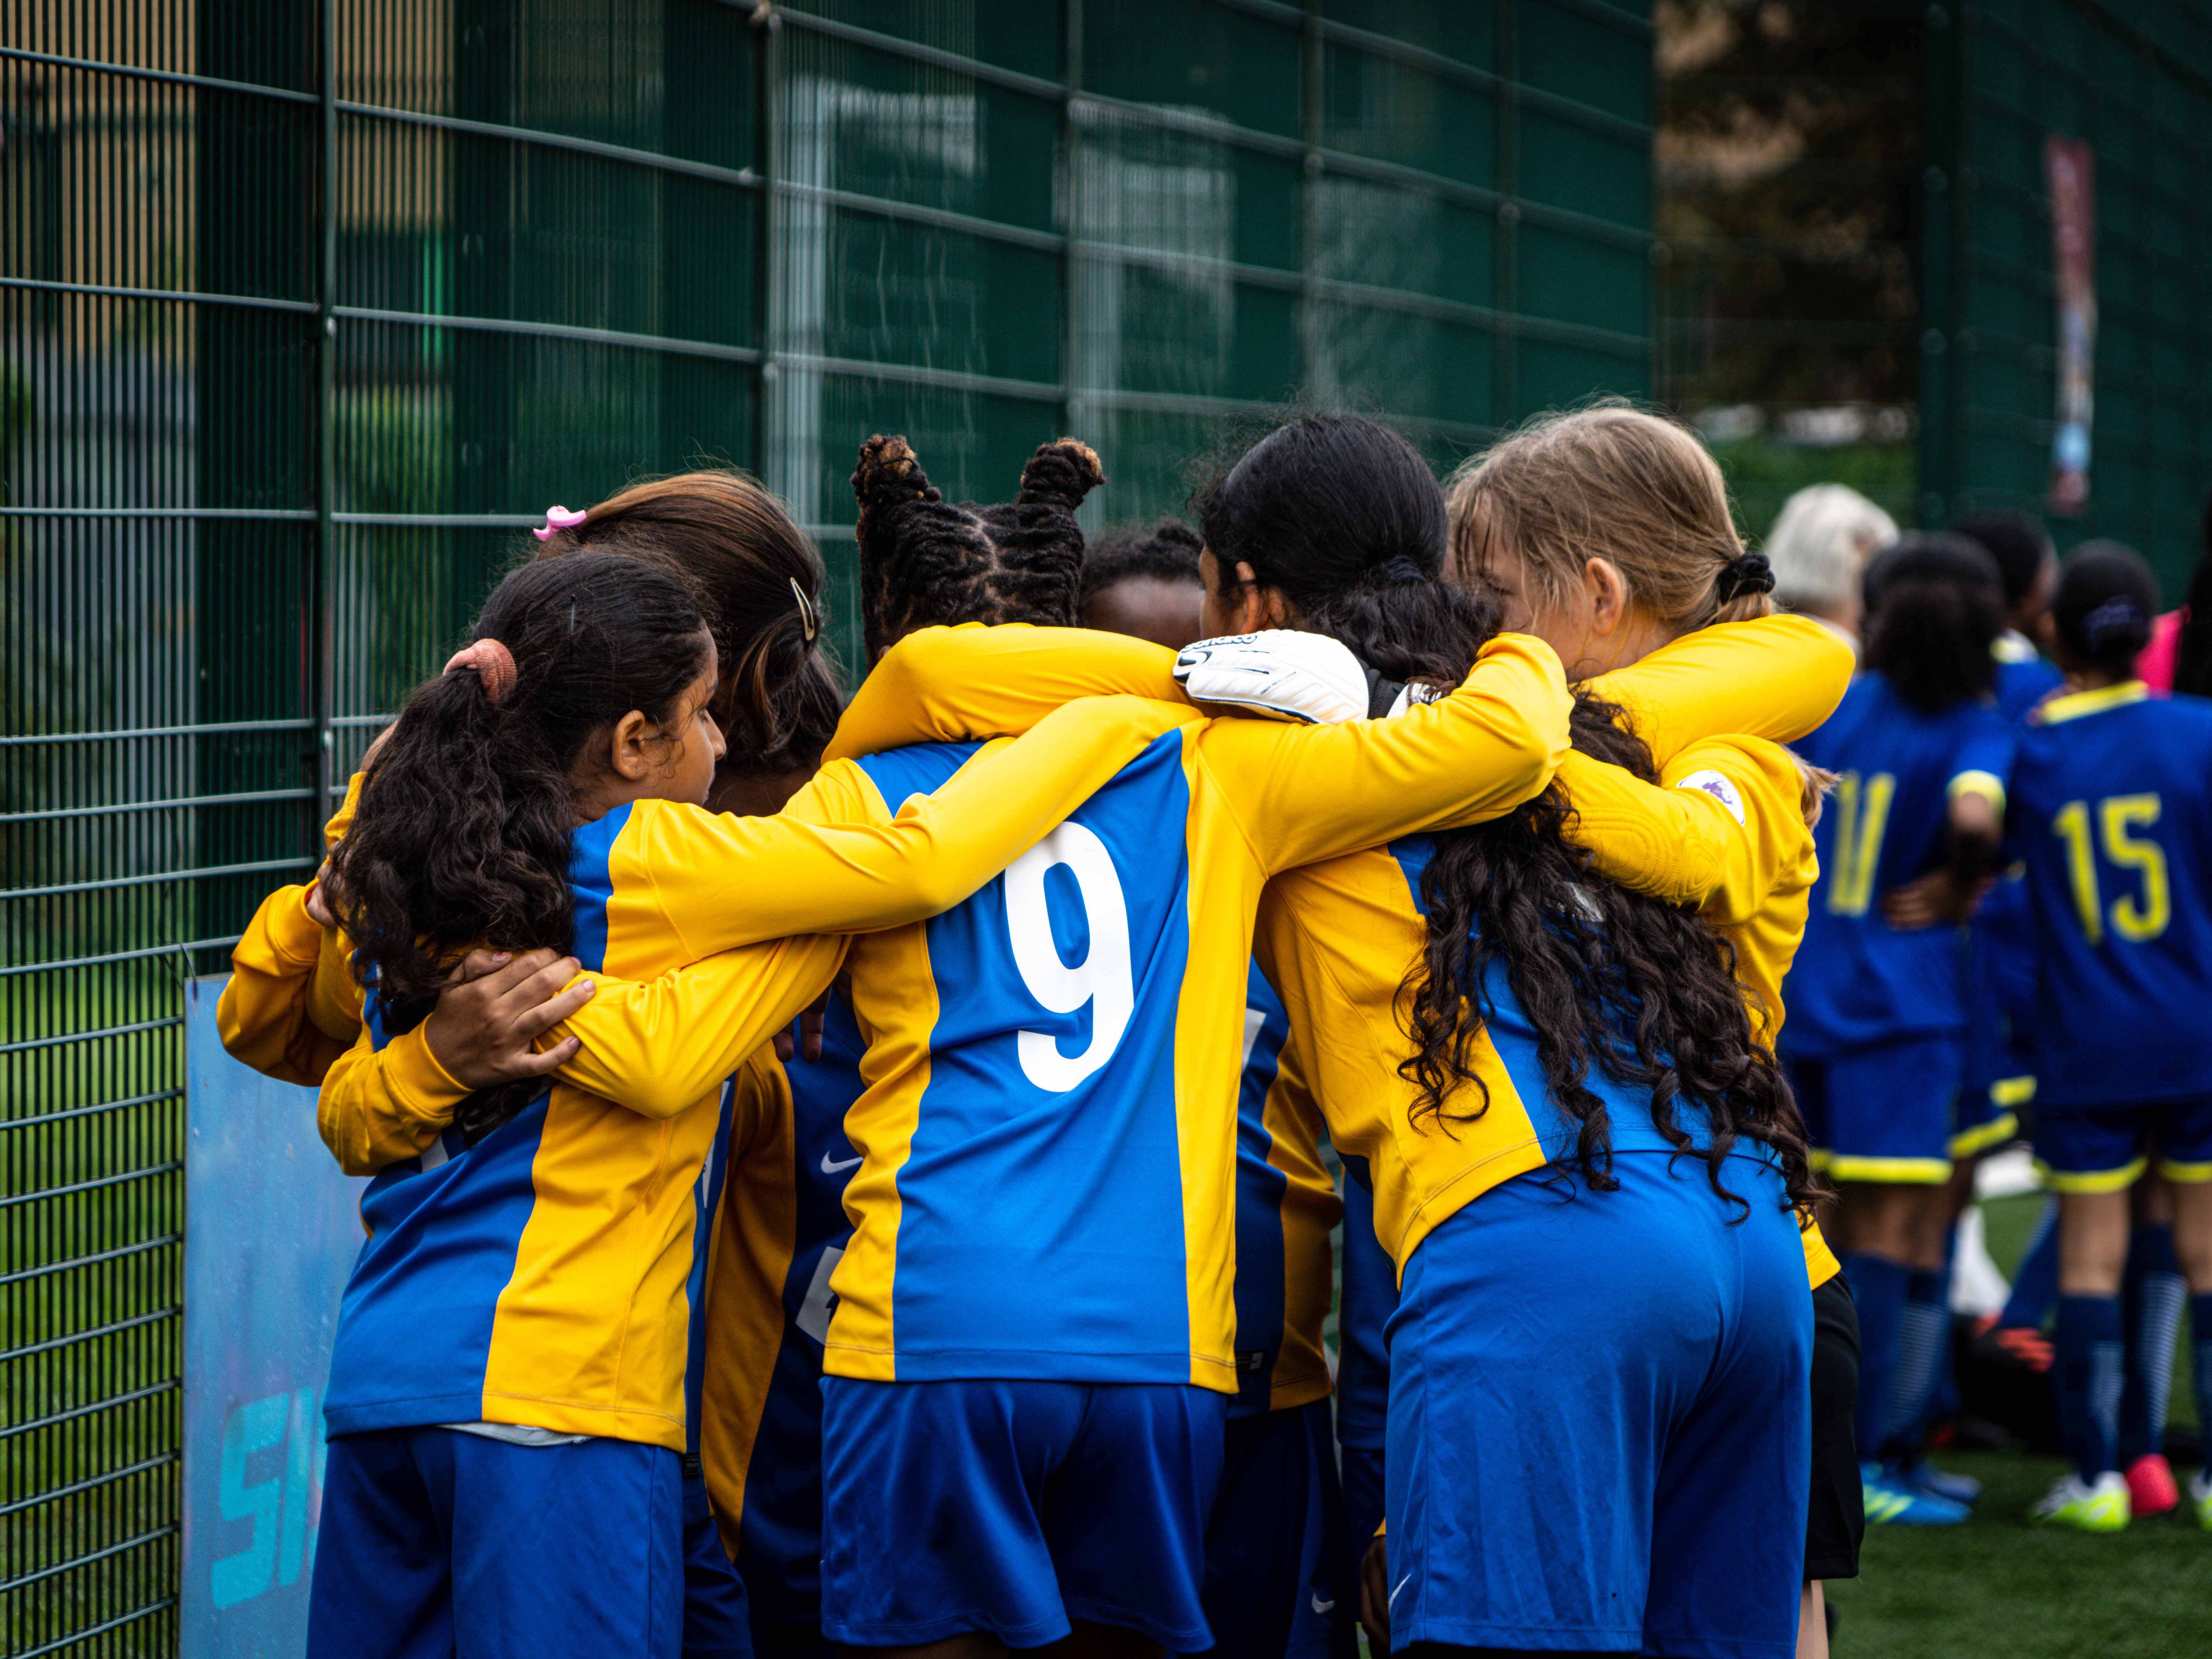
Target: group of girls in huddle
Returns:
[[1959, 753], [1106, 971]]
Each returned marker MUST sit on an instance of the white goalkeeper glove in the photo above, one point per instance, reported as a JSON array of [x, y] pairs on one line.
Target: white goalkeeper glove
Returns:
[[1281, 674]]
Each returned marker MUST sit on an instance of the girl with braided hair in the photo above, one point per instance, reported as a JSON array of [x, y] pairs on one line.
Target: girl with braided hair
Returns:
[[1365, 524], [925, 562]]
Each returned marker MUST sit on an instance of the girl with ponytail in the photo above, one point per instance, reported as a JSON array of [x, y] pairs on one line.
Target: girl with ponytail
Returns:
[[517, 1367], [2112, 812]]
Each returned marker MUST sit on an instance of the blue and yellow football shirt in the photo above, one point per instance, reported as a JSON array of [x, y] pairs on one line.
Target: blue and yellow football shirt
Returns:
[[553, 1273], [2112, 814], [1858, 980], [1050, 1129]]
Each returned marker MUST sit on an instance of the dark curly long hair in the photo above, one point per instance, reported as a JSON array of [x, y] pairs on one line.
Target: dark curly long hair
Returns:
[[1613, 981], [463, 833], [925, 562]]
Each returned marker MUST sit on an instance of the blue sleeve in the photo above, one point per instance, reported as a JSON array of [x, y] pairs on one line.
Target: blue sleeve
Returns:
[[1988, 745], [1370, 1297]]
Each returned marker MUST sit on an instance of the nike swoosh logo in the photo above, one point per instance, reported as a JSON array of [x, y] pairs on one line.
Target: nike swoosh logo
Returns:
[[1403, 1583], [828, 1168], [1323, 1607]]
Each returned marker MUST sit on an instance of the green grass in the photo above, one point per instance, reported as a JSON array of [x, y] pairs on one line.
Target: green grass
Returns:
[[1999, 1586]]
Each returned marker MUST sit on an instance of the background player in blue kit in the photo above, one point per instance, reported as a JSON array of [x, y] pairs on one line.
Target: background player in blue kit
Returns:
[[2111, 813], [1875, 1040]]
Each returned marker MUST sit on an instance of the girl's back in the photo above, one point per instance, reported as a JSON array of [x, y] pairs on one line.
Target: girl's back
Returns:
[[2113, 816], [1858, 980]]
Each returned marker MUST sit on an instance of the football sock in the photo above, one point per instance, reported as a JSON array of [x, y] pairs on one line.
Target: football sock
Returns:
[[2151, 1295], [1878, 1286], [2035, 1285], [1923, 1323], [2200, 1336], [2089, 1371]]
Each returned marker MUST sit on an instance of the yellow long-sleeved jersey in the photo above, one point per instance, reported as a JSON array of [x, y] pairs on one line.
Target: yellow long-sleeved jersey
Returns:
[[550, 1274], [1023, 1208], [960, 683]]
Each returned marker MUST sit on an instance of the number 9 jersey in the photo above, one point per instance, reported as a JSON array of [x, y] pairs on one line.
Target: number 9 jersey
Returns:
[[1049, 1128], [2111, 813]]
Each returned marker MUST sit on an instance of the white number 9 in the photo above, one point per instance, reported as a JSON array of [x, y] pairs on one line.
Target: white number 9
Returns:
[[1103, 978]]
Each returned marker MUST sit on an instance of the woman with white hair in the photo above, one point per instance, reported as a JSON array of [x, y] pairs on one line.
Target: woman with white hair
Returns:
[[1818, 546]]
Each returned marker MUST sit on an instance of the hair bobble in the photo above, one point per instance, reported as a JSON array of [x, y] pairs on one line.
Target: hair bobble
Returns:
[[558, 518], [1397, 571], [2113, 619], [810, 619], [1748, 573], [493, 664]]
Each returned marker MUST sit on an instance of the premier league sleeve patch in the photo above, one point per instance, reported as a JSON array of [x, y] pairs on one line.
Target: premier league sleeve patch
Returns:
[[1713, 784]]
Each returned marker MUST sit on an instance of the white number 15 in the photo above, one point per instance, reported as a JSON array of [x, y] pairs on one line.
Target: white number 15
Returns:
[[1102, 978]]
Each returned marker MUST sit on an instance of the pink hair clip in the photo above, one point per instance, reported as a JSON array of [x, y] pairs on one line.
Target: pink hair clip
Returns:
[[558, 518]]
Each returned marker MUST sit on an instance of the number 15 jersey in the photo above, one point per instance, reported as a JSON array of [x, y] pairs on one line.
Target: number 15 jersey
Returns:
[[2112, 814], [1049, 1128]]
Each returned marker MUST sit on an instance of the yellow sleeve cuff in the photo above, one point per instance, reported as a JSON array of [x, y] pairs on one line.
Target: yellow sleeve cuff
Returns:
[[419, 1082], [1987, 785]]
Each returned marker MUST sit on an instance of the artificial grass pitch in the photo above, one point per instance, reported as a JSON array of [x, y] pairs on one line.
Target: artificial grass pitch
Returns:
[[1999, 1586]]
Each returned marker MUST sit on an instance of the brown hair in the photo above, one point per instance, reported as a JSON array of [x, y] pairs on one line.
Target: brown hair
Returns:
[[752, 572], [1612, 481]]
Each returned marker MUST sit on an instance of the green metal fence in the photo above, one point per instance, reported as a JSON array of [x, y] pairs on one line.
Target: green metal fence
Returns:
[[306, 310], [2135, 81]]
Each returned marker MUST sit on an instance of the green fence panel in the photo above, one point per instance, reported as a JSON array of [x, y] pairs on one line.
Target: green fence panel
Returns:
[[308, 309], [2135, 82]]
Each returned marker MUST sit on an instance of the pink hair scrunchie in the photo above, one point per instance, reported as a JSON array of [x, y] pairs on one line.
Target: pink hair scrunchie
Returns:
[[494, 666]]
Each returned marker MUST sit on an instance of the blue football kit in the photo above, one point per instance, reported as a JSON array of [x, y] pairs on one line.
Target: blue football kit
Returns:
[[2111, 817], [1875, 1041]]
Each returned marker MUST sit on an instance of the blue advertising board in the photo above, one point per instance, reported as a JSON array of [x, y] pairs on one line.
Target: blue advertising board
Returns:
[[271, 1231]]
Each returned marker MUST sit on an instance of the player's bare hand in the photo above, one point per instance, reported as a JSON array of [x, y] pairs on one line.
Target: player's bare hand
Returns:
[[1375, 1595], [1936, 899], [317, 901], [494, 1007]]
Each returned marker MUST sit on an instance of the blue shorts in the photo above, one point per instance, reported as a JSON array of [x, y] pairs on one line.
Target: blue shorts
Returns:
[[1989, 1117], [1600, 1406], [2103, 1149], [1274, 1545], [1015, 1508], [716, 1622], [433, 1541], [1884, 1112]]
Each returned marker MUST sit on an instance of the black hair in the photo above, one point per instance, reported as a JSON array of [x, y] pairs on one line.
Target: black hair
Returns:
[[1166, 552], [1324, 503], [463, 833], [2106, 599], [2192, 650], [1933, 615], [2018, 544], [1611, 980], [924, 561]]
